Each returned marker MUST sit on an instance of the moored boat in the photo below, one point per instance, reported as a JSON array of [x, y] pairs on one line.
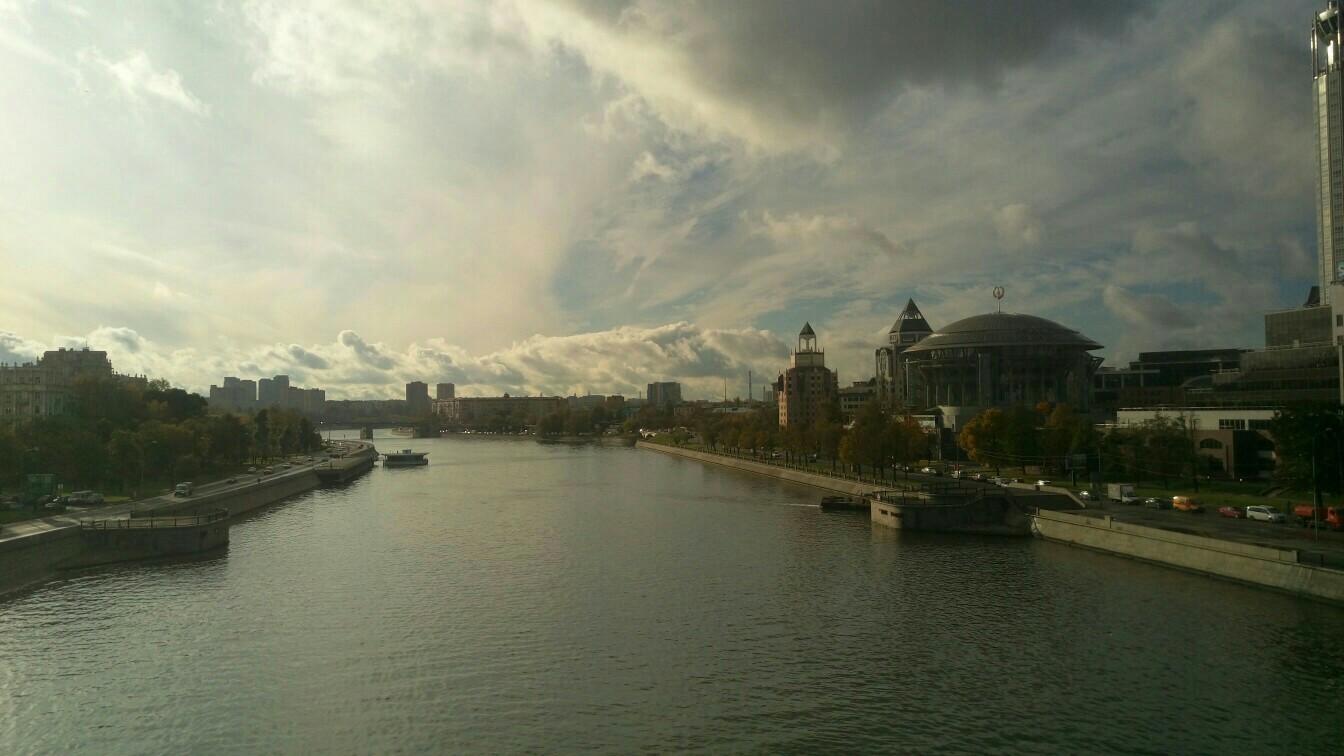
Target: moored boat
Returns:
[[405, 458]]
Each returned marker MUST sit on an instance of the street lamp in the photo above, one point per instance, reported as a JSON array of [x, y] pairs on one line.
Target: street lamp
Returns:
[[1316, 483], [23, 477]]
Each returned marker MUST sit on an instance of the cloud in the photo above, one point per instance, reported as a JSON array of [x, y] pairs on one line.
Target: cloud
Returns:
[[1018, 226], [819, 229], [621, 360], [786, 75], [137, 78]]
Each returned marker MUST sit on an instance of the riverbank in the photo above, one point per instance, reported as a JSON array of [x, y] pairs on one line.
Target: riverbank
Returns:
[[36, 550], [1279, 568]]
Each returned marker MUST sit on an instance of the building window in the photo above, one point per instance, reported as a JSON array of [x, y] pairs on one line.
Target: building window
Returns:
[[1229, 424], [1259, 424], [1210, 443]]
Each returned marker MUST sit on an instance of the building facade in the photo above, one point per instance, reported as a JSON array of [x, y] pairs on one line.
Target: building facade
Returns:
[[1003, 359], [894, 383], [47, 387], [1327, 51], [807, 386], [445, 391], [476, 409], [417, 396], [659, 394]]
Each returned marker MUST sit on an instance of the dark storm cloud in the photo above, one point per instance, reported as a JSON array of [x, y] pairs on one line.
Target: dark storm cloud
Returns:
[[792, 58]]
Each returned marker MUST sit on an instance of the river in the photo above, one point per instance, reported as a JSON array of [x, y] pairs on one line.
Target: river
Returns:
[[516, 596]]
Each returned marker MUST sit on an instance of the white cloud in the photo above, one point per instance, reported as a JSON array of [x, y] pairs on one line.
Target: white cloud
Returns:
[[137, 78], [1018, 226], [621, 360]]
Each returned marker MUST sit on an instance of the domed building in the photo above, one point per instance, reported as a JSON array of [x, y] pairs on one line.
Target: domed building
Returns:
[[1001, 359]]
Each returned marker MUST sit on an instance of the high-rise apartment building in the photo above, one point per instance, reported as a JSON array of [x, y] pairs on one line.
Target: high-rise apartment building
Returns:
[[1327, 49], [417, 396], [445, 391], [660, 394]]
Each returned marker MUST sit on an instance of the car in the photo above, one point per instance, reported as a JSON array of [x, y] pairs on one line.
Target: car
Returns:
[[1152, 502], [1087, 496], [1265, 514], [1236, 512], [252, 469], [1044, 482], [232, 480], [930, 471], [978, 476], [287, 465], [266, 471], [1187, 504], [310, 459]]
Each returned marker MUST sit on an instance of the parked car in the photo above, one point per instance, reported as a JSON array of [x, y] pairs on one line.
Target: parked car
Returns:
[[1264, 514], [1237, 512], [1153, 502]]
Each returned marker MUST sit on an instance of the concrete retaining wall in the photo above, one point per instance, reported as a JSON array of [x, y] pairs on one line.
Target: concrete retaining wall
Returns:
[[1247, 563], [824, 482], [245, 496], [36, 557]]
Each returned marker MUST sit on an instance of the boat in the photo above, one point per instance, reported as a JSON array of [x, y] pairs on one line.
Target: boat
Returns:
[[405, 458]]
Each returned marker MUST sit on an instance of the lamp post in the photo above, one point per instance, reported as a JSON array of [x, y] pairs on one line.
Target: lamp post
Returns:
[[23, 476], [1316, 484]]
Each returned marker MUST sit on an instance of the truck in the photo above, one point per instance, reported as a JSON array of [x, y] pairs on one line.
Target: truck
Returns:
[[1327, 517], [183, 489], [1122, 493]]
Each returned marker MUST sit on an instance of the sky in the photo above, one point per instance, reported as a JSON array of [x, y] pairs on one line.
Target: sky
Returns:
[[563, 198]]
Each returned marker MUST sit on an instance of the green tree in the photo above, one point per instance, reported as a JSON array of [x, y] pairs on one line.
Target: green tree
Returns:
[[1301, 430]]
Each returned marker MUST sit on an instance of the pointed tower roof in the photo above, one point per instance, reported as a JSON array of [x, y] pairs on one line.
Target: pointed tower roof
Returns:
[[807, 330], [911, 320]]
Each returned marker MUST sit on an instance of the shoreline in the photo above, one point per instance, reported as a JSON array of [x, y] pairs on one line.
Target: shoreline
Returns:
[[1274, 568], [29, 559]]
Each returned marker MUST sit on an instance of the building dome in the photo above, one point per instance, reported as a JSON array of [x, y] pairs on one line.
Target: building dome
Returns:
[[1004, 329], [1001, 359]]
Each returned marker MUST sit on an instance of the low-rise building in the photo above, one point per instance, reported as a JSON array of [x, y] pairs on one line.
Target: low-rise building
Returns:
[[477, 409]]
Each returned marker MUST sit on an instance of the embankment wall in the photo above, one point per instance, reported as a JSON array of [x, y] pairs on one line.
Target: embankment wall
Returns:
[[1247, 563], [36, 557], [825, 482]]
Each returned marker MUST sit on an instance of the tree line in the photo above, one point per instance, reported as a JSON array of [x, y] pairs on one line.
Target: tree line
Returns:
[[117, 434]]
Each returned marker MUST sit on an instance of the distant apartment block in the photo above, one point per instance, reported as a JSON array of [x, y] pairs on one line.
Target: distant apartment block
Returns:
[[475, 409], [445, 391], [47, 386], [659, 394], [417, 396], [854, 396], [248, 396]]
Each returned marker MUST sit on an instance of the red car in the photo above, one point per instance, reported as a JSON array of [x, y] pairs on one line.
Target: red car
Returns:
[[1231, 511]]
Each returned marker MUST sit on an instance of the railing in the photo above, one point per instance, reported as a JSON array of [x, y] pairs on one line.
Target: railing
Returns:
[[173, 521]]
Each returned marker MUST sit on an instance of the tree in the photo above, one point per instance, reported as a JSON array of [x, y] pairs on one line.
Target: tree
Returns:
[[1302, 429], [984, 438]]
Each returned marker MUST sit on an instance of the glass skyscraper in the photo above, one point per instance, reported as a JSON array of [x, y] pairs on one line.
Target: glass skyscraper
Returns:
[[1327, 48]]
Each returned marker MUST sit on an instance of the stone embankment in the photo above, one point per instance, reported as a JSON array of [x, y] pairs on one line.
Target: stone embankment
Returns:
[[1264, 566], [33, 551]]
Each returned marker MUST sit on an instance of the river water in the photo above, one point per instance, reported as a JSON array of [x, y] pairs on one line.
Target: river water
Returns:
[[515, 596]]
